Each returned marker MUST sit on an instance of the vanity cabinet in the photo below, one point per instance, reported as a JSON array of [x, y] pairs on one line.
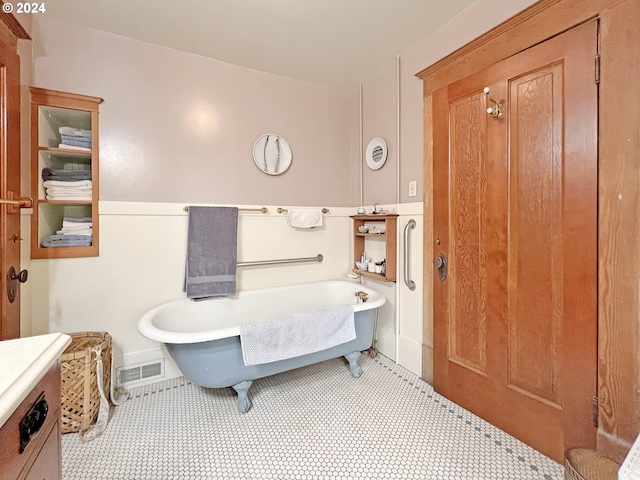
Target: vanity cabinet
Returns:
[[41, 457], [387, 224], [30, 407], [54, 114]]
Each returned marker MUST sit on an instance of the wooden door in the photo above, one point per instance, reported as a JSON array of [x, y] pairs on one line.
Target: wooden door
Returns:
[[9, 190], [515, 213]]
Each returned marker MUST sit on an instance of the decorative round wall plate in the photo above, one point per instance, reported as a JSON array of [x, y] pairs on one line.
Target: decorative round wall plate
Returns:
[[272, 154], [376, 153]]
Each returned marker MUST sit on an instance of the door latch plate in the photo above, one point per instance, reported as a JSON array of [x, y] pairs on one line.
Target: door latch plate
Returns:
[[441, 265]]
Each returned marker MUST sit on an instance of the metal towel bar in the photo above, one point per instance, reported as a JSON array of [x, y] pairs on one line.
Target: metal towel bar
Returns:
[[317, 258], [260, 210], [284, 210]]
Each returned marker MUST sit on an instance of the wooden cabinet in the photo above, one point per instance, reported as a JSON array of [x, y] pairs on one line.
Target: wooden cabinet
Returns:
[[47, 465], [69, 161], [41, 457], [380, 223]]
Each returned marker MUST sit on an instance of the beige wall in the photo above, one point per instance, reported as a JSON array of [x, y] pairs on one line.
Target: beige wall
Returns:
[[379, 120], [168, 114], [180, 127]]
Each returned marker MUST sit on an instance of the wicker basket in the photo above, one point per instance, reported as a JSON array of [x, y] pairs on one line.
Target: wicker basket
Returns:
[[80, 394], [583, 464]]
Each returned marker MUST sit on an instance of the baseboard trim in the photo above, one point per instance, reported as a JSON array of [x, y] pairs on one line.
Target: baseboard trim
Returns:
[[410, 354]]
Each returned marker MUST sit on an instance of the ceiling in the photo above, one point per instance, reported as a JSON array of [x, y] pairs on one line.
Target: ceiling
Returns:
[[337, 43]]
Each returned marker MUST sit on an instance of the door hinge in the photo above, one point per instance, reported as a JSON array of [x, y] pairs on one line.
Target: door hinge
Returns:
[[595, 411], [598, 69]]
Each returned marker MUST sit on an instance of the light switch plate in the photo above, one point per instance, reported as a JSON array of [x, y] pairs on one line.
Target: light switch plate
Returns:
[[413, 186]]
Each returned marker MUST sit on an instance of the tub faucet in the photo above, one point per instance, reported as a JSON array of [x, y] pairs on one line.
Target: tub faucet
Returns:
[[361, 296]]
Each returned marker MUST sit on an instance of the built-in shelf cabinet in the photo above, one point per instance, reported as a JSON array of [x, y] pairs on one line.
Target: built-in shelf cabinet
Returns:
[[51, 110], [389, 223]]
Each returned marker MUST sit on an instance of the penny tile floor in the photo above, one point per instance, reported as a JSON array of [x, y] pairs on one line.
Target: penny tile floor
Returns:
[[316, 422]]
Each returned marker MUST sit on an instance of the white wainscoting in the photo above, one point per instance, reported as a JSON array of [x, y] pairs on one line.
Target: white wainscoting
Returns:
[[141, 264], [410, 321]]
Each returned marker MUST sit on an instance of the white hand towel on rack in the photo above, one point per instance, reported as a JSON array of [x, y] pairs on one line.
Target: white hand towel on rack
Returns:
[[304, 217]]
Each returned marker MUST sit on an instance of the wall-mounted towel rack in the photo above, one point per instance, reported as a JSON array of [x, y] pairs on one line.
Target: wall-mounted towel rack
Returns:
[[260, 210], [317, 258], [284, 210]]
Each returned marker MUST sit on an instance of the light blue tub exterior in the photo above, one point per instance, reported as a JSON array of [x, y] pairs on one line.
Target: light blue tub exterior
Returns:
[[203, 337]]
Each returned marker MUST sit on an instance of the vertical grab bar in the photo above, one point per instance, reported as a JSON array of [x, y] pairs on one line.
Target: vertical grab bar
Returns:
[[411, 224]]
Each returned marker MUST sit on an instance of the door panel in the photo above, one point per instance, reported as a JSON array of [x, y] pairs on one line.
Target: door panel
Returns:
[[535, 233], [468, 327], [515, 209]]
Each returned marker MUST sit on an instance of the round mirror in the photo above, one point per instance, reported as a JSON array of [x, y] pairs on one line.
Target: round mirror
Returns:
[[272, 154], [376, 153]]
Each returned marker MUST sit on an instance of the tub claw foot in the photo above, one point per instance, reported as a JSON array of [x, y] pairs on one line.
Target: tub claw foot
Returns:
[[242, 388], [352, 358]]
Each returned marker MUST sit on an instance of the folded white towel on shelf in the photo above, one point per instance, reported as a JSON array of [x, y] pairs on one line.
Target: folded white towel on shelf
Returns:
[[62, 183], [76, 226], [73, 147], [84, 231], [70, 196], [304, 217], [63, 191], [69, 228], [76, 220], [296, 334]]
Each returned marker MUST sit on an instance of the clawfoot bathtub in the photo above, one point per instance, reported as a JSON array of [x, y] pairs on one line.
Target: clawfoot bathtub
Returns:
[[203, 337]]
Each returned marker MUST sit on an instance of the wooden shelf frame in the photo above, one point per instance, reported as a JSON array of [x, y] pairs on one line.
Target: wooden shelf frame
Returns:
[[77, 106], [390, 222]]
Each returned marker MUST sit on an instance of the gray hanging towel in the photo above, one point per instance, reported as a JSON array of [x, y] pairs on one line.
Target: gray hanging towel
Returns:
[[212, 252]]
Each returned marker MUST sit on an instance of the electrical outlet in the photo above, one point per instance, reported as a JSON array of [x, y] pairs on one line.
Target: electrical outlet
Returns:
[[413, 186]]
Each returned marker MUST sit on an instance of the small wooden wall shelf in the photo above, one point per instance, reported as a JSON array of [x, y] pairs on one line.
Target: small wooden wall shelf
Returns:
[[389, 222]]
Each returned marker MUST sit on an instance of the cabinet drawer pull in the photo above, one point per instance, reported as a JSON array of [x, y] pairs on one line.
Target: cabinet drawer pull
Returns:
[[32, 422]]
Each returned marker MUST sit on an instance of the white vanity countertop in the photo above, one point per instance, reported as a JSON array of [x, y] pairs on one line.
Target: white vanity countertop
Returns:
[[23, 363]]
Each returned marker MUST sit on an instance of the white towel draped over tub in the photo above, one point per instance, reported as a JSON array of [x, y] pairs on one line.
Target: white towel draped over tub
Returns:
[[297, 334], [304, 217]]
